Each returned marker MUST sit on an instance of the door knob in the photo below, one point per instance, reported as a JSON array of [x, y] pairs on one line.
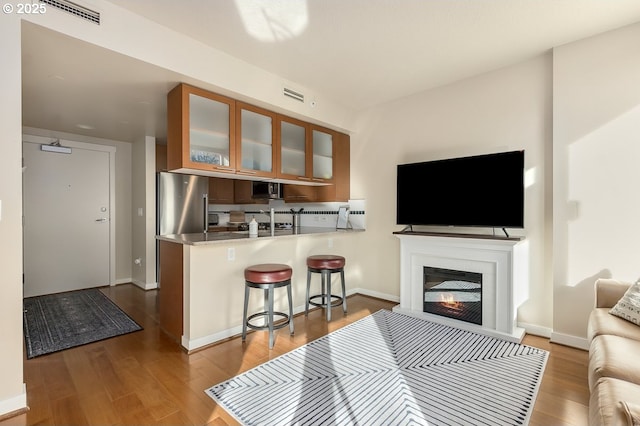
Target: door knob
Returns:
[[102, 219]]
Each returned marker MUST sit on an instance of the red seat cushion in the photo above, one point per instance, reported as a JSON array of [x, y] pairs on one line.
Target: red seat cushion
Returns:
[[267, 273], [325, 261]]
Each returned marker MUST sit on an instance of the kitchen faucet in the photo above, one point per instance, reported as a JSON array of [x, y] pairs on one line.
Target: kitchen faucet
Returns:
[[272, 220]]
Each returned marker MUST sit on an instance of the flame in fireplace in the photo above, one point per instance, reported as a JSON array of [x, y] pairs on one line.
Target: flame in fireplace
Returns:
[[448, 301]]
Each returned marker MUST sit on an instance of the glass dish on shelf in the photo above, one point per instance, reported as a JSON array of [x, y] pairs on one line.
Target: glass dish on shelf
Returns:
[[206, 157]]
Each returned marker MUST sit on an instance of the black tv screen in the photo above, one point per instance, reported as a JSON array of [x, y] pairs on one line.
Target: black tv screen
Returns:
[[483, 190]]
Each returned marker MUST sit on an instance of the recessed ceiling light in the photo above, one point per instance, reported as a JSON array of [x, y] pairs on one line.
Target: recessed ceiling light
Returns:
[[85, 126]]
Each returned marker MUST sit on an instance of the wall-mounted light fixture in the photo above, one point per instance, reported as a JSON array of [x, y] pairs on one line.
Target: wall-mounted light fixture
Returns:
[[56, 147]]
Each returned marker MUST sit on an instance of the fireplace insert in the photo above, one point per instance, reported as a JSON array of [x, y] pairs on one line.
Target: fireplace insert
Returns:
[[453, 294]]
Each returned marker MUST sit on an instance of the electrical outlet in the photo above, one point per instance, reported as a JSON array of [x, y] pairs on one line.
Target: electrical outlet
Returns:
[[330, 242], [323, 219], [231, 254]]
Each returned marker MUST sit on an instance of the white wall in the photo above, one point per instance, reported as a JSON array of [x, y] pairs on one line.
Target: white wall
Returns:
[[12, 392], [508, 109], [144, 226], [596, 113], [123, 183]]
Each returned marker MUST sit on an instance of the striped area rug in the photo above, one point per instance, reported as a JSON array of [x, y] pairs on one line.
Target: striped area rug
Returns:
[[390, 369]]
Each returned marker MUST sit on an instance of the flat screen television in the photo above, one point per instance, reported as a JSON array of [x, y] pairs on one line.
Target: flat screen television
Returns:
[[483, 191]]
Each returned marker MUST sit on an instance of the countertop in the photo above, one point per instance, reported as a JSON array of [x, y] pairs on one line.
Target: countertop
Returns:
[[218, 237]]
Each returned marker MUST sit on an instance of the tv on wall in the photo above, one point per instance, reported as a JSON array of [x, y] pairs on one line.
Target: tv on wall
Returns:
[[478, 191]]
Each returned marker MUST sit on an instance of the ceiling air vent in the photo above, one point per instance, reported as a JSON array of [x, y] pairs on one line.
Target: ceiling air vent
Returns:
[[75, 9], [293, 94]]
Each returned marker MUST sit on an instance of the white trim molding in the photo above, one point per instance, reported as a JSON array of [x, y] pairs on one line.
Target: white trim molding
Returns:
[[15, 403]]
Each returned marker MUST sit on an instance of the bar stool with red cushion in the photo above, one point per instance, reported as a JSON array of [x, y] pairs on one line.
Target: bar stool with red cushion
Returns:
[[267, 276], [326, 265]]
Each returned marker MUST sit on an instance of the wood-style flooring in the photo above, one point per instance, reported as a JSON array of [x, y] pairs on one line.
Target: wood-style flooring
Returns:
[[144, 378]]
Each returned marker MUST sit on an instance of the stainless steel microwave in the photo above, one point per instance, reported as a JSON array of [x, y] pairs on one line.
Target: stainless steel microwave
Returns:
[[266, 190]]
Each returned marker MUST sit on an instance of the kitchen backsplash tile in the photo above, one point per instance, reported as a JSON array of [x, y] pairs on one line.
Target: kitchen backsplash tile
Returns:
[[313, 214]]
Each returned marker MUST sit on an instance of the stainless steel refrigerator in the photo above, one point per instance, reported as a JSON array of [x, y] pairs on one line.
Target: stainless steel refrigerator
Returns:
[[182, 203]]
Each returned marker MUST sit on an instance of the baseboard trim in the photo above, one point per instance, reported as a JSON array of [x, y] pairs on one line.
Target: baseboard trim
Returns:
[[568, 340], [15, 405], [536, 330], [144, 286], [202, 342], [122, 281], [376, 294]]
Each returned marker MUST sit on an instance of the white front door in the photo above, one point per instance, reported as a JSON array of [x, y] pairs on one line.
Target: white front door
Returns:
[[66, 220]]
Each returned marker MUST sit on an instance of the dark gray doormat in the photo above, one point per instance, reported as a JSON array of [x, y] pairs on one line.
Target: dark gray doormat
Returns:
[[61, 321]]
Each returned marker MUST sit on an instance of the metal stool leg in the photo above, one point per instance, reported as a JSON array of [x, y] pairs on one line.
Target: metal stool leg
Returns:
[[326, 278], [270, 315], [290, 309], [244, 312], [323, 289], [306, 302], [344, 292]]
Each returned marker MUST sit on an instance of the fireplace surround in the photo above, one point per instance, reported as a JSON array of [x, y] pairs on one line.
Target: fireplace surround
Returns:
[[500, 265]]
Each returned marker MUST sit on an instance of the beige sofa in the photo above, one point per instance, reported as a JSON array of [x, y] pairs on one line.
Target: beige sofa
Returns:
[[614, 360]]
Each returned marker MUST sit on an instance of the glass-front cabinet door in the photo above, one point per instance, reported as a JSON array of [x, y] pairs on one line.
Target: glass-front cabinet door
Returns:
[[294, 148], [256, 139], [200, 131], [322, 141], [209, 132]]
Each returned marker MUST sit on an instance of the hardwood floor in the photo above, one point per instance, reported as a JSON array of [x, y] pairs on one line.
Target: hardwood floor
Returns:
[[144, 378]]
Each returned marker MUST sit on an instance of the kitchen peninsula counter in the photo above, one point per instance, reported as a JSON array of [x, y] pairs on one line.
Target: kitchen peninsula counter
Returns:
[[201, 279], [226, 236]]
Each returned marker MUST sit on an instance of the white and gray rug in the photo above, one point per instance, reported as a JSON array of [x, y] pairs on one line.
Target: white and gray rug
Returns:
[[390, 369]]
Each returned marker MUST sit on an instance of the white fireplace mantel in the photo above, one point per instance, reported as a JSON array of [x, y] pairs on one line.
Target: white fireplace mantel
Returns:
[[503, 263]]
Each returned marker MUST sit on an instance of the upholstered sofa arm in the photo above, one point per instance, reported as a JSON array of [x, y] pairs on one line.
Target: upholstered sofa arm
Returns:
[[609, 291]]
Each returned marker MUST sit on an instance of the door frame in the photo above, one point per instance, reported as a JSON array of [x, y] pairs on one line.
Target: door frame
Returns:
[[111, 150]]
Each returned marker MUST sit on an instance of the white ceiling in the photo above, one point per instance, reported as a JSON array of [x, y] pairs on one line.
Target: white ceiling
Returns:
[[358, 52]]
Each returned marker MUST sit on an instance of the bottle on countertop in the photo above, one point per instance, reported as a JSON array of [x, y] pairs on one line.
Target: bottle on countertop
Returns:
[[253, 227]]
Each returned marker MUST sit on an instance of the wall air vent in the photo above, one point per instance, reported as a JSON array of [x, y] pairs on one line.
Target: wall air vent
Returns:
[[74, 9], [293, 94]]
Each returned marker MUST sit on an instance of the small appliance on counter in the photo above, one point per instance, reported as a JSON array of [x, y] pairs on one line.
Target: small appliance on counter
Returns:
[[238, 218], [213, 219], [266, 190]]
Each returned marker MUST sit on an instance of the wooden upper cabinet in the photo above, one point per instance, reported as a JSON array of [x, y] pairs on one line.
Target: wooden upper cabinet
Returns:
[[221, 191], [300, 193], [340, 190], [213, 135], [201, 130], [323, 148], [255, 141], [294, 149], [243, 193]]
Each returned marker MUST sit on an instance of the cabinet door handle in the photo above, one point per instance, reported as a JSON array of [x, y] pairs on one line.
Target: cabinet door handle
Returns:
[[304, 178], [247, 172], [228, 169], [102, 219]]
